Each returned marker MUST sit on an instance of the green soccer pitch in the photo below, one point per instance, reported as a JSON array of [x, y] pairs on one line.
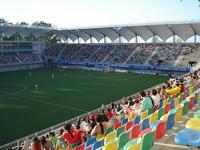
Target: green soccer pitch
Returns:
[[24, 110]]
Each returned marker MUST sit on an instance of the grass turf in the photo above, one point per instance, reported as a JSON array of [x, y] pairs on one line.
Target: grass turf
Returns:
[[71, 93]]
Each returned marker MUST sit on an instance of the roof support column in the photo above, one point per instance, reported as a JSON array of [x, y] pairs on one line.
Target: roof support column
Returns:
[[154, 39], [105, 39], [174, 39], [67, 40], [136, 39], [195, 38], [17, 39], [78, 40], [120, 39], [91, 39]]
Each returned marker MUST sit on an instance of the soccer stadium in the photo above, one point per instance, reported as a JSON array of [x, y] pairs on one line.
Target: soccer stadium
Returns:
[[125, 86]]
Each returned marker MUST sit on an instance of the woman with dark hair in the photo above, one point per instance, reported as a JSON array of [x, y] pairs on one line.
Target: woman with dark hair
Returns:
[[70, 135], [100, 127], [35, 144], [80, 133], [46, 145]]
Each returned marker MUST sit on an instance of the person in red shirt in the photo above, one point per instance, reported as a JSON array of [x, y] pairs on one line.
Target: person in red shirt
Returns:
[[80, 133], [35, 144], [70, 135], [109, 113]]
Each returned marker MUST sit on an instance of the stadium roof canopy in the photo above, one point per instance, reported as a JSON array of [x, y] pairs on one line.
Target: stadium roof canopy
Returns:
[[184, 30]]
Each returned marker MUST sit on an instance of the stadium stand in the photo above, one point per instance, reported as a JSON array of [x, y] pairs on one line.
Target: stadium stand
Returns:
[[19, 57], [146, 54], [115, 127], [53, 50]]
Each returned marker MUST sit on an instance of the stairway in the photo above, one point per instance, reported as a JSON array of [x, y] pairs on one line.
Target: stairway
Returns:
[[129, 57], [149, 58], [105, 58]]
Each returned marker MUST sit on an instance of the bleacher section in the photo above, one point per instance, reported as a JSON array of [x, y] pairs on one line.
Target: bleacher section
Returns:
[[125, 125], [145, 54], [19, 58]]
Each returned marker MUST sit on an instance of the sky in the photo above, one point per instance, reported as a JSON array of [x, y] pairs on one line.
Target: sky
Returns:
[[89, 13]]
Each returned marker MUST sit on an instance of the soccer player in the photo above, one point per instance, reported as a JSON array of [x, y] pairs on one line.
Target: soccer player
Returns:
[[30, 73], [52, 76], [36, 87]]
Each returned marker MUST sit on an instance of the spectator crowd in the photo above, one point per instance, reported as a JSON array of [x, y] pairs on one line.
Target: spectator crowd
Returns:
[[96, 124]]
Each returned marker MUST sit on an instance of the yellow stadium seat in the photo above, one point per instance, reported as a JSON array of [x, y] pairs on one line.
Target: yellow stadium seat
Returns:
[[176, 101], [131, 116], [153, 117], [190, 90], [109, 137], [179, 112], [199, 97], [99, 137], [144, 115], [112, 145], [134, 147]]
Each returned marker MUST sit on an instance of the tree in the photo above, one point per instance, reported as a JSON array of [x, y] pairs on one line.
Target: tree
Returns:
[[42, 24], [3, 21], [22, 23]]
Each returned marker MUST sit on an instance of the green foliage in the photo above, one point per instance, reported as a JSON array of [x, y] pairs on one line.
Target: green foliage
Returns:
[[42, 24]]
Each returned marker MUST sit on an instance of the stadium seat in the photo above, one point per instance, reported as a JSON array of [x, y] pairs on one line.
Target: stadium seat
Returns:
[[109, 137], [99, 136], [117, 125], [124, 121], [161, 104], [144, 115], [90, 141], [145, 131], [128, 125], [147, 141], [176, 101], [136, 120], [188, 137], [98, 144], [191, 103], [196, 98], [150, 111], [155, 108], [185, 106], [112, 145], [123, 139], [109, 130], [119, 131], [170, 119], [166, 108], [160, 112], [159, 130], [153, 117], [134, 132], [144, 124], [172, 105], [179, 112]]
